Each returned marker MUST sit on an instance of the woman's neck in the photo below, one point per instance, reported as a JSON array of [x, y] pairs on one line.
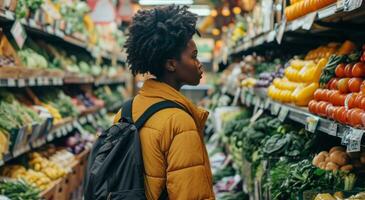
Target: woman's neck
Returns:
[[169, 80]]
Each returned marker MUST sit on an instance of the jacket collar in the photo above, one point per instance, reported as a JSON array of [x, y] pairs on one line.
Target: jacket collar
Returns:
[[156, 89]]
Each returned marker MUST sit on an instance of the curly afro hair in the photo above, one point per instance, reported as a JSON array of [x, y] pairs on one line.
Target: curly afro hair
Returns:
[[156, 35]]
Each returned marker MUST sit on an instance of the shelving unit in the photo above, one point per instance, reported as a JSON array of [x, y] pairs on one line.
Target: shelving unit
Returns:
[[52, 132], [57, 34], [339, 11], [301, 115]]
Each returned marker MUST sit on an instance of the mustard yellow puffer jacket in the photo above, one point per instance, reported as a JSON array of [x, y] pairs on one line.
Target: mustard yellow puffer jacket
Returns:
[[172, 144]]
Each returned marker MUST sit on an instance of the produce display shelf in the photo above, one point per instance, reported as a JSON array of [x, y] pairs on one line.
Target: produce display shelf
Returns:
[[54, 81], [340, 8], [50, 31], [58, 130], [258, 98]]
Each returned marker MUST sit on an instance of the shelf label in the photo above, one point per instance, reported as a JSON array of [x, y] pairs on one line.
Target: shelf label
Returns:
[[1, 162], [327, 12], [267, 104], [275, 108], [280, 33], [333, 129], [40, 81], [355, 140], [11, 82], [311, 124], [351, 5], [340, 4], [31, 81], [256, 115], [308, 20], [248, 100], [46, 81], [90, 118], [21, 82], [271, 36], [69, 127], [345, 136], [9, 15], [284, 111], [296, 24], [236, 96], [18, 33]]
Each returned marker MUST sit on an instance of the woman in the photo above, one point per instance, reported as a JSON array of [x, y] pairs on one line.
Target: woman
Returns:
[[174, 155]]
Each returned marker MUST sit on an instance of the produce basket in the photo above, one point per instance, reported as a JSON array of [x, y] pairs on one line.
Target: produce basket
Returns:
[[73, 179], [50, 193], [61, 192]]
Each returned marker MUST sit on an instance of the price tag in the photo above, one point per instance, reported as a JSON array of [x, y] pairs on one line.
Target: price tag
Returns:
[[9, 15], [296, 24], [90, 118], [355, 140], [32, 23], [59, 33], [311, 123], [284, 111], [50, 137], [11, 82], [46, 81], [326, 12], [59, 132], [31, 81], [1, 162], [21, 82], [333, 129], [308, 20], [236, 96], [69, 127], [275, 108], [40, 81], [271, 36], [256, 115], [340, 4], [351, 5], [267, 104], [82, 120], [18, 33], [50, 29], [345, 136], [248, 100], [280, 33]]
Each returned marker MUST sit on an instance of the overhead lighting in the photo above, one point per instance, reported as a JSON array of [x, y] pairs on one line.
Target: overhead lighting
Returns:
[[214, 13], [226, 12], [201, 10], [165, 2]]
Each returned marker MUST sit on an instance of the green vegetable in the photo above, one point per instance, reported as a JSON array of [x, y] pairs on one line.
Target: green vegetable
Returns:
[[19, 190]]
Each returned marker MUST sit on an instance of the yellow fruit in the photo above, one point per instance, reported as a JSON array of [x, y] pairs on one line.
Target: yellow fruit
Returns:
[[297, 64], [304, 95]]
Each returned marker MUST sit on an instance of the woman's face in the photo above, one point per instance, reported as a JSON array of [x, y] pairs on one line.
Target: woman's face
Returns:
[[189, 70]]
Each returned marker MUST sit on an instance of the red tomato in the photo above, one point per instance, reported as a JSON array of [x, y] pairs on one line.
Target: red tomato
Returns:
[[340, 70], [318, 94], [341, 114], [362, 87], [358, 70], [354, 84], [339, 100], [352, 100], [348, 70], [342, 85], [330, 111], [311, 106], [326, 95], [354, 117], [333, 85], [332, 96], [362, 103]]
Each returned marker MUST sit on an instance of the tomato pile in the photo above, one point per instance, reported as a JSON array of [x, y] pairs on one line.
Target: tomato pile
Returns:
[[343, 98]]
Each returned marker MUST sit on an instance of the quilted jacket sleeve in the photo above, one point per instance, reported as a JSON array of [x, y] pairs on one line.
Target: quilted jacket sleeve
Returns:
[[187, 175]]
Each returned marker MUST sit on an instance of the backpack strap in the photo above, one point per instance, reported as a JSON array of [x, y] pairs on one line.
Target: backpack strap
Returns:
[[127, 110], [154, 109]]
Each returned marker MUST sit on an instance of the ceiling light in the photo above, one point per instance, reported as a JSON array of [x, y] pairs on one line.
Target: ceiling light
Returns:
[[165, 2], [237, 10], [201, 10], [226, 12], [214, 13]]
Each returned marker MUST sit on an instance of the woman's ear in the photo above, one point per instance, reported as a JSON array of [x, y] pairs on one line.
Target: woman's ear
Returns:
[[170, 65]]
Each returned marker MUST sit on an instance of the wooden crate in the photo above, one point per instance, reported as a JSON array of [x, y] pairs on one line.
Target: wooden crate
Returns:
[[50, 193], [73, 179], [61, 192]]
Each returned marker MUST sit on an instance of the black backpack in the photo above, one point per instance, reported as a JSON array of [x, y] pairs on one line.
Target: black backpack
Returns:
[[115, 168]]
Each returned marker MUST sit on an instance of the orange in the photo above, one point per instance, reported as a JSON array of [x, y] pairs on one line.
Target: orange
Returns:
[[354, 84]]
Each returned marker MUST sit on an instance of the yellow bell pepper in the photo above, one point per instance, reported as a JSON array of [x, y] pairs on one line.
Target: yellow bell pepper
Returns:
[[303, 96]]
